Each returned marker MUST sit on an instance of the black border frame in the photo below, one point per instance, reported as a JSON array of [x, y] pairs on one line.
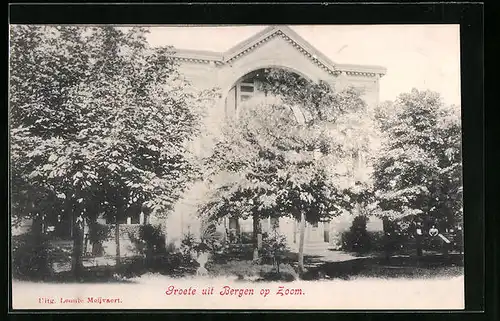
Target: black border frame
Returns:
[[468, 15]]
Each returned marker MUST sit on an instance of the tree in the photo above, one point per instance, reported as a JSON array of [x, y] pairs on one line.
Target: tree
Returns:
[[99, 119], [418, 171], [292, 154]]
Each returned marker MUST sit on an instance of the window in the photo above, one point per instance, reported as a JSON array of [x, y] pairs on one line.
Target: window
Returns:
[[131, 216], [233, 223], [245, 90]]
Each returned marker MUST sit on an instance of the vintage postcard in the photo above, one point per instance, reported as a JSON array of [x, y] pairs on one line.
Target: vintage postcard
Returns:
[[236, 167]]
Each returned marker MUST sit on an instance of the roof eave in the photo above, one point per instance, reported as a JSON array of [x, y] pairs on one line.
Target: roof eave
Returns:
[[197, 54], [363, 69]]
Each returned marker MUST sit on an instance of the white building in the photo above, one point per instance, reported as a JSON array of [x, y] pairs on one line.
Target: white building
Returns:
[[236, 72]]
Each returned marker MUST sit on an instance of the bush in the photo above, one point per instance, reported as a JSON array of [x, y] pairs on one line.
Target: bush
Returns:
[[210, 241], [377, 241], [31, 257], [274, 248], [357, 239], [149, 240], [246, 237], [153, 239], [157, 256], [234, 252], [398, 236], [189, 246]]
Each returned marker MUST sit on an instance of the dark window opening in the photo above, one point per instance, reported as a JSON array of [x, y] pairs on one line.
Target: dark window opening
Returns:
[[247, 89], [233, 224]]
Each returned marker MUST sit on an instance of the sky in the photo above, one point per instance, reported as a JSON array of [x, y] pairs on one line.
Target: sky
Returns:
[[416, 56]]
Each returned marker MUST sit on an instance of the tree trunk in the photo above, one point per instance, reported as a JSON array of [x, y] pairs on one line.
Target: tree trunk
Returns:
[[117, 240], [96, 244], [77, 236], [419, 245], [257, 237], [36, 227], [77, 249], [301, 242], [388, 238]]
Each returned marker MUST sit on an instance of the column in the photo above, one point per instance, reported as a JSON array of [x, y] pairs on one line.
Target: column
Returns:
[[231, 103]]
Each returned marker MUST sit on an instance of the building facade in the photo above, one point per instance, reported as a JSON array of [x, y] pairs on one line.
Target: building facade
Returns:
[[238, 73]]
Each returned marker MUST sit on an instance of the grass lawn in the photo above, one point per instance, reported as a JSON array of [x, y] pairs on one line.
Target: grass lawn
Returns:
[[395, 267]]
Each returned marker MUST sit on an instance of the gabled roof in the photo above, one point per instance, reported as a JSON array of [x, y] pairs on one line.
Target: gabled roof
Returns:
[[290, 36]]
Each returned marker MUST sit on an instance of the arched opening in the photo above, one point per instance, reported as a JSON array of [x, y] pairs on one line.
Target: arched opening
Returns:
[[252, 85]]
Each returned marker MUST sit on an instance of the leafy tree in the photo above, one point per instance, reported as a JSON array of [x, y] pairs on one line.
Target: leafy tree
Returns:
[[418, 170], [292, 154], [98, 119]]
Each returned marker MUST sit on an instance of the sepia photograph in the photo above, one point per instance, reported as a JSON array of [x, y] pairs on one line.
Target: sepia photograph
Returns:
[[269, 167]]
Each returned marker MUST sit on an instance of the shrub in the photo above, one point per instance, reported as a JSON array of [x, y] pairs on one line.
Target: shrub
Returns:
[[274, 248], [211, 240], [153, 239], [377, 241], [230, 252], [398, 236], [188, 248], [157, 256], [357, 239], [246, 237], [31, 257]]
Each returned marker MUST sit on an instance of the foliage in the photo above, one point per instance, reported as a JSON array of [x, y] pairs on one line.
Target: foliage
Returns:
[[153, 239], [169, 262], [294, 153], [90, 109], [33, 255], [238, 251], [418, 170], [189, 246], [190, 249], [210, 240], [246, 237], [317, 100], [357, 238], [98, 233], [272, 161], [274, 247], [29, 257], [209, 243]]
